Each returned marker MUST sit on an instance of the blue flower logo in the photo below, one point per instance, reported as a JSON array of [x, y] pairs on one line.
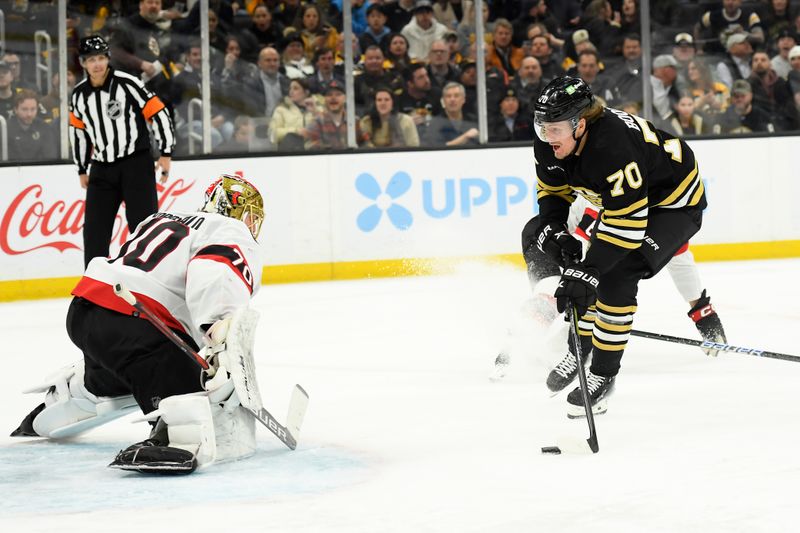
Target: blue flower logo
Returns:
[[399, 216]]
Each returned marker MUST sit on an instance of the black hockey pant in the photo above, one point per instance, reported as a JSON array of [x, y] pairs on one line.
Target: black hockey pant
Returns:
[[131, 180], [127, 355], [667, 231]]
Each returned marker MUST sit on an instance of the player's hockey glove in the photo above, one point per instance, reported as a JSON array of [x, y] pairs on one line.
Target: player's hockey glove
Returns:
[[578, 286], [708, 323], [555, 241]]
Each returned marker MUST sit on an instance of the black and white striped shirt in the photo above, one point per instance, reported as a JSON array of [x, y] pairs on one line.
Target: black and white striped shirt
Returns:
[[109, 123]]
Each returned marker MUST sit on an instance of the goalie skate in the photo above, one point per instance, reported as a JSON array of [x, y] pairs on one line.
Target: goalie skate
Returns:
[[153, 456]]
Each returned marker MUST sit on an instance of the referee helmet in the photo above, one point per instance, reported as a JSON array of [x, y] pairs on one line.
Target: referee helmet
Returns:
[[93, 45]]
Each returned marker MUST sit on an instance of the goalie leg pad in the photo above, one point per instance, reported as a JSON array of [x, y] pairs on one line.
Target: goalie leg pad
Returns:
[[70, 409], [234, 426], [211, 425], [237, 357], [190, 426]]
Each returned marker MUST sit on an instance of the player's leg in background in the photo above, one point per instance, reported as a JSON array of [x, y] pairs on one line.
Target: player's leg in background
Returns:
[[566, 370], [683, 270], [540, 308], [544, 275]]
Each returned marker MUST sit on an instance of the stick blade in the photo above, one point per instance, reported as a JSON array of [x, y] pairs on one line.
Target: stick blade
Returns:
[[571, 446], [297, 410]]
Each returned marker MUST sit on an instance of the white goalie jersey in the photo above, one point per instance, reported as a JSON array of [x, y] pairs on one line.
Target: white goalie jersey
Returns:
[[191, 269]]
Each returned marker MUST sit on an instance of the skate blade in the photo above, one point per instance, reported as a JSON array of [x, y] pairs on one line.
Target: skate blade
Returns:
[[165, 468], [578, 411]]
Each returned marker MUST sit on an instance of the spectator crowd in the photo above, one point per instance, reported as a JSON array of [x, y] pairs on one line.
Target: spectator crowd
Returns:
[[277, 76]]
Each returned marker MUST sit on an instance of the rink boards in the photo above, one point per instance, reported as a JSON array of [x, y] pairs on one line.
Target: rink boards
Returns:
[[382, 214]]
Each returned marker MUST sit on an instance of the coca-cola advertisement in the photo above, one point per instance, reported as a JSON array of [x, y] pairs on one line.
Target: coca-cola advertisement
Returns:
[[41, 219], [42, 214]]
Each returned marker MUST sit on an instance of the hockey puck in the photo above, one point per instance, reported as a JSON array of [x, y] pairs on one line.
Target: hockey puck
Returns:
[[552, 450]]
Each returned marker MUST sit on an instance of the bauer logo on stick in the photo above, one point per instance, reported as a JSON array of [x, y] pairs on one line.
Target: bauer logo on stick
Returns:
[[730, 348]]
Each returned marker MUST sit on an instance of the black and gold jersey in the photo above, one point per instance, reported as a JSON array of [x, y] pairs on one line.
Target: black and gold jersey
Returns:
[[625, 167]]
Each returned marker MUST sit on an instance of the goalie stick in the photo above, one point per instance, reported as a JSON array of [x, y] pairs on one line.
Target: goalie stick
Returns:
[[297, 405]]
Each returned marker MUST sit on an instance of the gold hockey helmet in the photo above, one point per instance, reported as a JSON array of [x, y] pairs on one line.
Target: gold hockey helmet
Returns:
[[235, 197]]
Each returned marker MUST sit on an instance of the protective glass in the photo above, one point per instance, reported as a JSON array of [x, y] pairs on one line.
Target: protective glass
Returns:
[[554, 131]]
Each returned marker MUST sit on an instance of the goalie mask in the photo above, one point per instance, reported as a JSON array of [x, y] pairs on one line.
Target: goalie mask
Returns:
[[237, 198]]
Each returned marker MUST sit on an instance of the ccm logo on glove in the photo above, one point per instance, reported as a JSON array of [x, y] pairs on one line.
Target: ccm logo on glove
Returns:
[[583, 276]]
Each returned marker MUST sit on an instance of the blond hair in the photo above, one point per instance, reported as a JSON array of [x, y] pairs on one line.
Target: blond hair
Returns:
[[594, 111]]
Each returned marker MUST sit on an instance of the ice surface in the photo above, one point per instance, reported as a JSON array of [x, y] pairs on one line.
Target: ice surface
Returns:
[[405, 433]]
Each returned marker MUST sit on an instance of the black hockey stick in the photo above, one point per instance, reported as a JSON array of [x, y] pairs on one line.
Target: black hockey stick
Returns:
[[297, 405], [716, 346], [572, 311]]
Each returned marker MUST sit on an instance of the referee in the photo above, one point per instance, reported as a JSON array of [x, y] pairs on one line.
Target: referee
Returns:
[[109, 113]]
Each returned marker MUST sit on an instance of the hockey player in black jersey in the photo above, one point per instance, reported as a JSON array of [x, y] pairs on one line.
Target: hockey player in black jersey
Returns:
[[646, 184]]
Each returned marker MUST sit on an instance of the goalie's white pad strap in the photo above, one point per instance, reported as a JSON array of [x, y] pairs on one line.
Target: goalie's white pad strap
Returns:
[[212, 425], [238, 357], [190, 425], [70, 409]]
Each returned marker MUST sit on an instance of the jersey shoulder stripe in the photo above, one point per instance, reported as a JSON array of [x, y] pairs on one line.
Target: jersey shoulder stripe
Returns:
[[232, 256]]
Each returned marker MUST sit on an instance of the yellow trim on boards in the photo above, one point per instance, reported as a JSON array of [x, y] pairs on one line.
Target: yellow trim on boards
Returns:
[[31, 289]]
